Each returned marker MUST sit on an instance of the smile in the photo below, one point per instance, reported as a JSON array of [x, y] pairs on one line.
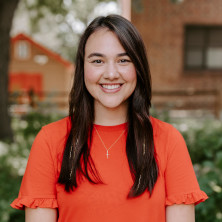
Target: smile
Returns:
[[114, 86]]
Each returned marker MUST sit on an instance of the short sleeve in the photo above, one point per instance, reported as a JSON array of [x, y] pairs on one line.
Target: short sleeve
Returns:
[[38, 188], [180, 179]]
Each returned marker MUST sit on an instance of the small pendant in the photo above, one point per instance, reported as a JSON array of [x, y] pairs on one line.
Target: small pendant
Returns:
[[107, 154]]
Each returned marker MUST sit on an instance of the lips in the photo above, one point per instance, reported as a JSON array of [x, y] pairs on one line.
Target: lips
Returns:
[[111, 88], [114, 86]]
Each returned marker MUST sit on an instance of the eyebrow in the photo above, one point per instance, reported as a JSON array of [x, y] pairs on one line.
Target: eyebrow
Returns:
[[95, 54], [102, 55]]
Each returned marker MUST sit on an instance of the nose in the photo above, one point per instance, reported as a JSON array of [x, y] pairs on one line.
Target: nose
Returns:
[[111, 71]]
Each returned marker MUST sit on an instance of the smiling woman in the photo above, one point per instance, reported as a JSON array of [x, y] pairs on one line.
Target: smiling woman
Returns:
[[109, 74], [109, 160]]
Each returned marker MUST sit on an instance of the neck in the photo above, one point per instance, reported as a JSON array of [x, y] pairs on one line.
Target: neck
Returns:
[[110, 116]]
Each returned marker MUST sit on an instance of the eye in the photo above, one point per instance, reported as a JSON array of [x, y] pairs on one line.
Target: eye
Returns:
[[97, 61], [124, 61]]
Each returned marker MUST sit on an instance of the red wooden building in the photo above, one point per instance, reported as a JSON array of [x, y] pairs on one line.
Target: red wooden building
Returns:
[[35, 68]]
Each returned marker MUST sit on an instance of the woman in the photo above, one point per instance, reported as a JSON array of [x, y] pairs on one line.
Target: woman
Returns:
[[109, 160]]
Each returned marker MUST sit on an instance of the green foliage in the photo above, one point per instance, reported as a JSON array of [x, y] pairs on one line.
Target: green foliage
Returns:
[[160, 114], [205, 146], [9, 183], [13, 159], [35, 121], [66, 20], [203, 139]]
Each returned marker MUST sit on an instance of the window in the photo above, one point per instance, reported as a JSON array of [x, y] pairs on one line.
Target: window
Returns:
[[22, 50], [41, 59], [203, 47]]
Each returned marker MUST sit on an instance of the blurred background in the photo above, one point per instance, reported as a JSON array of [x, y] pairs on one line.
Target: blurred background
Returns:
[[38, 41]]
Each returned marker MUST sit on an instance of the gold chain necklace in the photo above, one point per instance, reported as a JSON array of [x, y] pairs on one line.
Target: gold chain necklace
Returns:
[[107, 149]]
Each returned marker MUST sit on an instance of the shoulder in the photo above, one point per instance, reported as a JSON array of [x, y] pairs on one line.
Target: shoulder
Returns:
[[54, 135], [167, 139], [163, 129], [59, 127]]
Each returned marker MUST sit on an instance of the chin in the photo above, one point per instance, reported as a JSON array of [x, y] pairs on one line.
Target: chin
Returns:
[[113, 105]]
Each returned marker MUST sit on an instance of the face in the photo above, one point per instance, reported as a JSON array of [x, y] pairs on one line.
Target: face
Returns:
[[109, 74]]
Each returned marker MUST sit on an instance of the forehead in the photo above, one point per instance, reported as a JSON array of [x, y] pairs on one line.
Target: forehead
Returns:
[[103, 41]]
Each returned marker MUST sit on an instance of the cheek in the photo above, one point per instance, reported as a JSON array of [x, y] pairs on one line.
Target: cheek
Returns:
[[130, 76], [90, 76]]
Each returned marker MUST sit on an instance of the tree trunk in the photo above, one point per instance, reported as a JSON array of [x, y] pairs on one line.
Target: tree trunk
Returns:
[[7, 9]]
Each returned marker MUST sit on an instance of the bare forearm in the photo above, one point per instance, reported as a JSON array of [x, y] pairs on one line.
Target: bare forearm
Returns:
[[180, 213], [40, 214]]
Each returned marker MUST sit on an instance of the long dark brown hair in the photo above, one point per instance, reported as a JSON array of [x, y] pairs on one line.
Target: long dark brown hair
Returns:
[[139, 143]]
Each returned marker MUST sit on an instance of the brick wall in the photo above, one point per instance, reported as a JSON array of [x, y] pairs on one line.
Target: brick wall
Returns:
[[161, 24]]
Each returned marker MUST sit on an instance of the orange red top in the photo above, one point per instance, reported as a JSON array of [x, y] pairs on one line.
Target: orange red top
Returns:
[[176, 184]]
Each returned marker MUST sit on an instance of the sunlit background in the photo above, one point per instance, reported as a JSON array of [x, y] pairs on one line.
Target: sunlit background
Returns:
[[183, 38]]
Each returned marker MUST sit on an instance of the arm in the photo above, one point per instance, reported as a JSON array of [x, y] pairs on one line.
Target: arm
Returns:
[[40, 214], [180, 213]]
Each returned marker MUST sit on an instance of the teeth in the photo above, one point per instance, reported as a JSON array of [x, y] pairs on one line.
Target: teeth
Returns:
[[111, 86]]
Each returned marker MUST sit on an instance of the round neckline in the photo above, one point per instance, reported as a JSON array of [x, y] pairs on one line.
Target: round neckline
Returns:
[[118, 127]]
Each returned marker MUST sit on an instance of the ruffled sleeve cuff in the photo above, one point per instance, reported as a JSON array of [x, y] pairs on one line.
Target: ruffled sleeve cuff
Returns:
[[21, 203], [188, 198]]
